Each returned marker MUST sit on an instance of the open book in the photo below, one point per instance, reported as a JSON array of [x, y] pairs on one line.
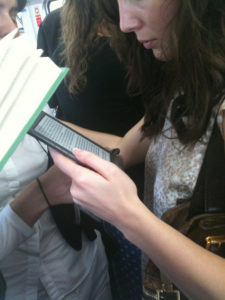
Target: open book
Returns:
[[27, 83]]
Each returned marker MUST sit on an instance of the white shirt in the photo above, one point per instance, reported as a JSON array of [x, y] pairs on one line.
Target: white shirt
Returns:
[[36, 260]]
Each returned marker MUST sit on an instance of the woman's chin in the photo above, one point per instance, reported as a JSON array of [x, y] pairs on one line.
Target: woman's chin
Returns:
[[159, 55]]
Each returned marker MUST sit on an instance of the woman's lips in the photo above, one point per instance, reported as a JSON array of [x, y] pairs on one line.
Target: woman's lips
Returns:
[[149, 44]]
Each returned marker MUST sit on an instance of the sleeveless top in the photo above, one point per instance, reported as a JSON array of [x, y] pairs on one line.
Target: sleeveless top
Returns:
[[171, 169]]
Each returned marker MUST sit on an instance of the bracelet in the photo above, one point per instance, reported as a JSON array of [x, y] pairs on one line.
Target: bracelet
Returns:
[[43, 192]]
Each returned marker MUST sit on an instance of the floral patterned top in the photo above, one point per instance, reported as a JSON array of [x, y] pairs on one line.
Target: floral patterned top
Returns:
[[171, 170]]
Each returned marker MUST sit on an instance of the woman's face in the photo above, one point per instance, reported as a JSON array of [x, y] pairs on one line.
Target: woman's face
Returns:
[[8, 11], [150, 21]]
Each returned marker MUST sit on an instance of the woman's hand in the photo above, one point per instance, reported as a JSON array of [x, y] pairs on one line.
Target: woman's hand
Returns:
[[105, 190]]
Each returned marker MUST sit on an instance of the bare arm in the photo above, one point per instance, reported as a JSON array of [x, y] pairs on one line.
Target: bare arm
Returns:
[[17, 219], [133, 146], [111, 195], [199, 273], [30, 203]]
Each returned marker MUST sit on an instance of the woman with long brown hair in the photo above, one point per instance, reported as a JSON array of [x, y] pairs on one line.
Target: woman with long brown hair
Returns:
[[184, 99]]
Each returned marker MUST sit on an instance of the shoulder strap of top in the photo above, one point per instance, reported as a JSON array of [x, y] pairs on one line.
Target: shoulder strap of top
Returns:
[[209, 192]]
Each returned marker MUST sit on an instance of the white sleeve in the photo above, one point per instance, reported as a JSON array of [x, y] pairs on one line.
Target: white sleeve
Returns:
[[13, 231], [49, 111]]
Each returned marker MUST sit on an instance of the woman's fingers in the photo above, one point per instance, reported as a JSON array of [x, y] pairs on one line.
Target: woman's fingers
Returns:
[[95, 162], [102, 188], [64, 163]]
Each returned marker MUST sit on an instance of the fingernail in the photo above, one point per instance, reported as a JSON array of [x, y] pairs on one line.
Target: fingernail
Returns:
[[77, 151]]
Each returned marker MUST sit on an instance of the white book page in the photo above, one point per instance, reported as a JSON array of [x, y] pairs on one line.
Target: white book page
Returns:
[[12, 60], [24, 94], [16, 87], [8, 38]]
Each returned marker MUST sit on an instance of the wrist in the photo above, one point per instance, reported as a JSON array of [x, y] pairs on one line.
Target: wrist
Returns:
[[131, 224], [29, 204], [43, 192]]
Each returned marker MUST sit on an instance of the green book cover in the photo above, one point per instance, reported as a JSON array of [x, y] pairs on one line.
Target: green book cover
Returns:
[[22, 131]]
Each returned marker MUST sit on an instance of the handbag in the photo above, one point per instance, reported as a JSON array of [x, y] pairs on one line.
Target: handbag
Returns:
[[201, 218]]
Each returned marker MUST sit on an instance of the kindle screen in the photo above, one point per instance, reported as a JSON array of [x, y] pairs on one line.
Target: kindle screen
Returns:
[[63, 138]]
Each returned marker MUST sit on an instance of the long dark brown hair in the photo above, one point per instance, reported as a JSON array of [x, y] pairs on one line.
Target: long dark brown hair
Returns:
[[196, 72], [81, 24]]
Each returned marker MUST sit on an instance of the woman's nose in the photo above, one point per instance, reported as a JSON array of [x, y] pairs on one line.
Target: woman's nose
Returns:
[[129, 22]]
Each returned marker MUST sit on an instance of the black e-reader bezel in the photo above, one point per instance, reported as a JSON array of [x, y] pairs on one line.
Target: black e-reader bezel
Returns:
[[60, 147]]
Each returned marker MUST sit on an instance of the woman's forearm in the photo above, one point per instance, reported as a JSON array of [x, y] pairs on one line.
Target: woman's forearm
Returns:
[[30, 204], [17, 219], [197, 272]]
